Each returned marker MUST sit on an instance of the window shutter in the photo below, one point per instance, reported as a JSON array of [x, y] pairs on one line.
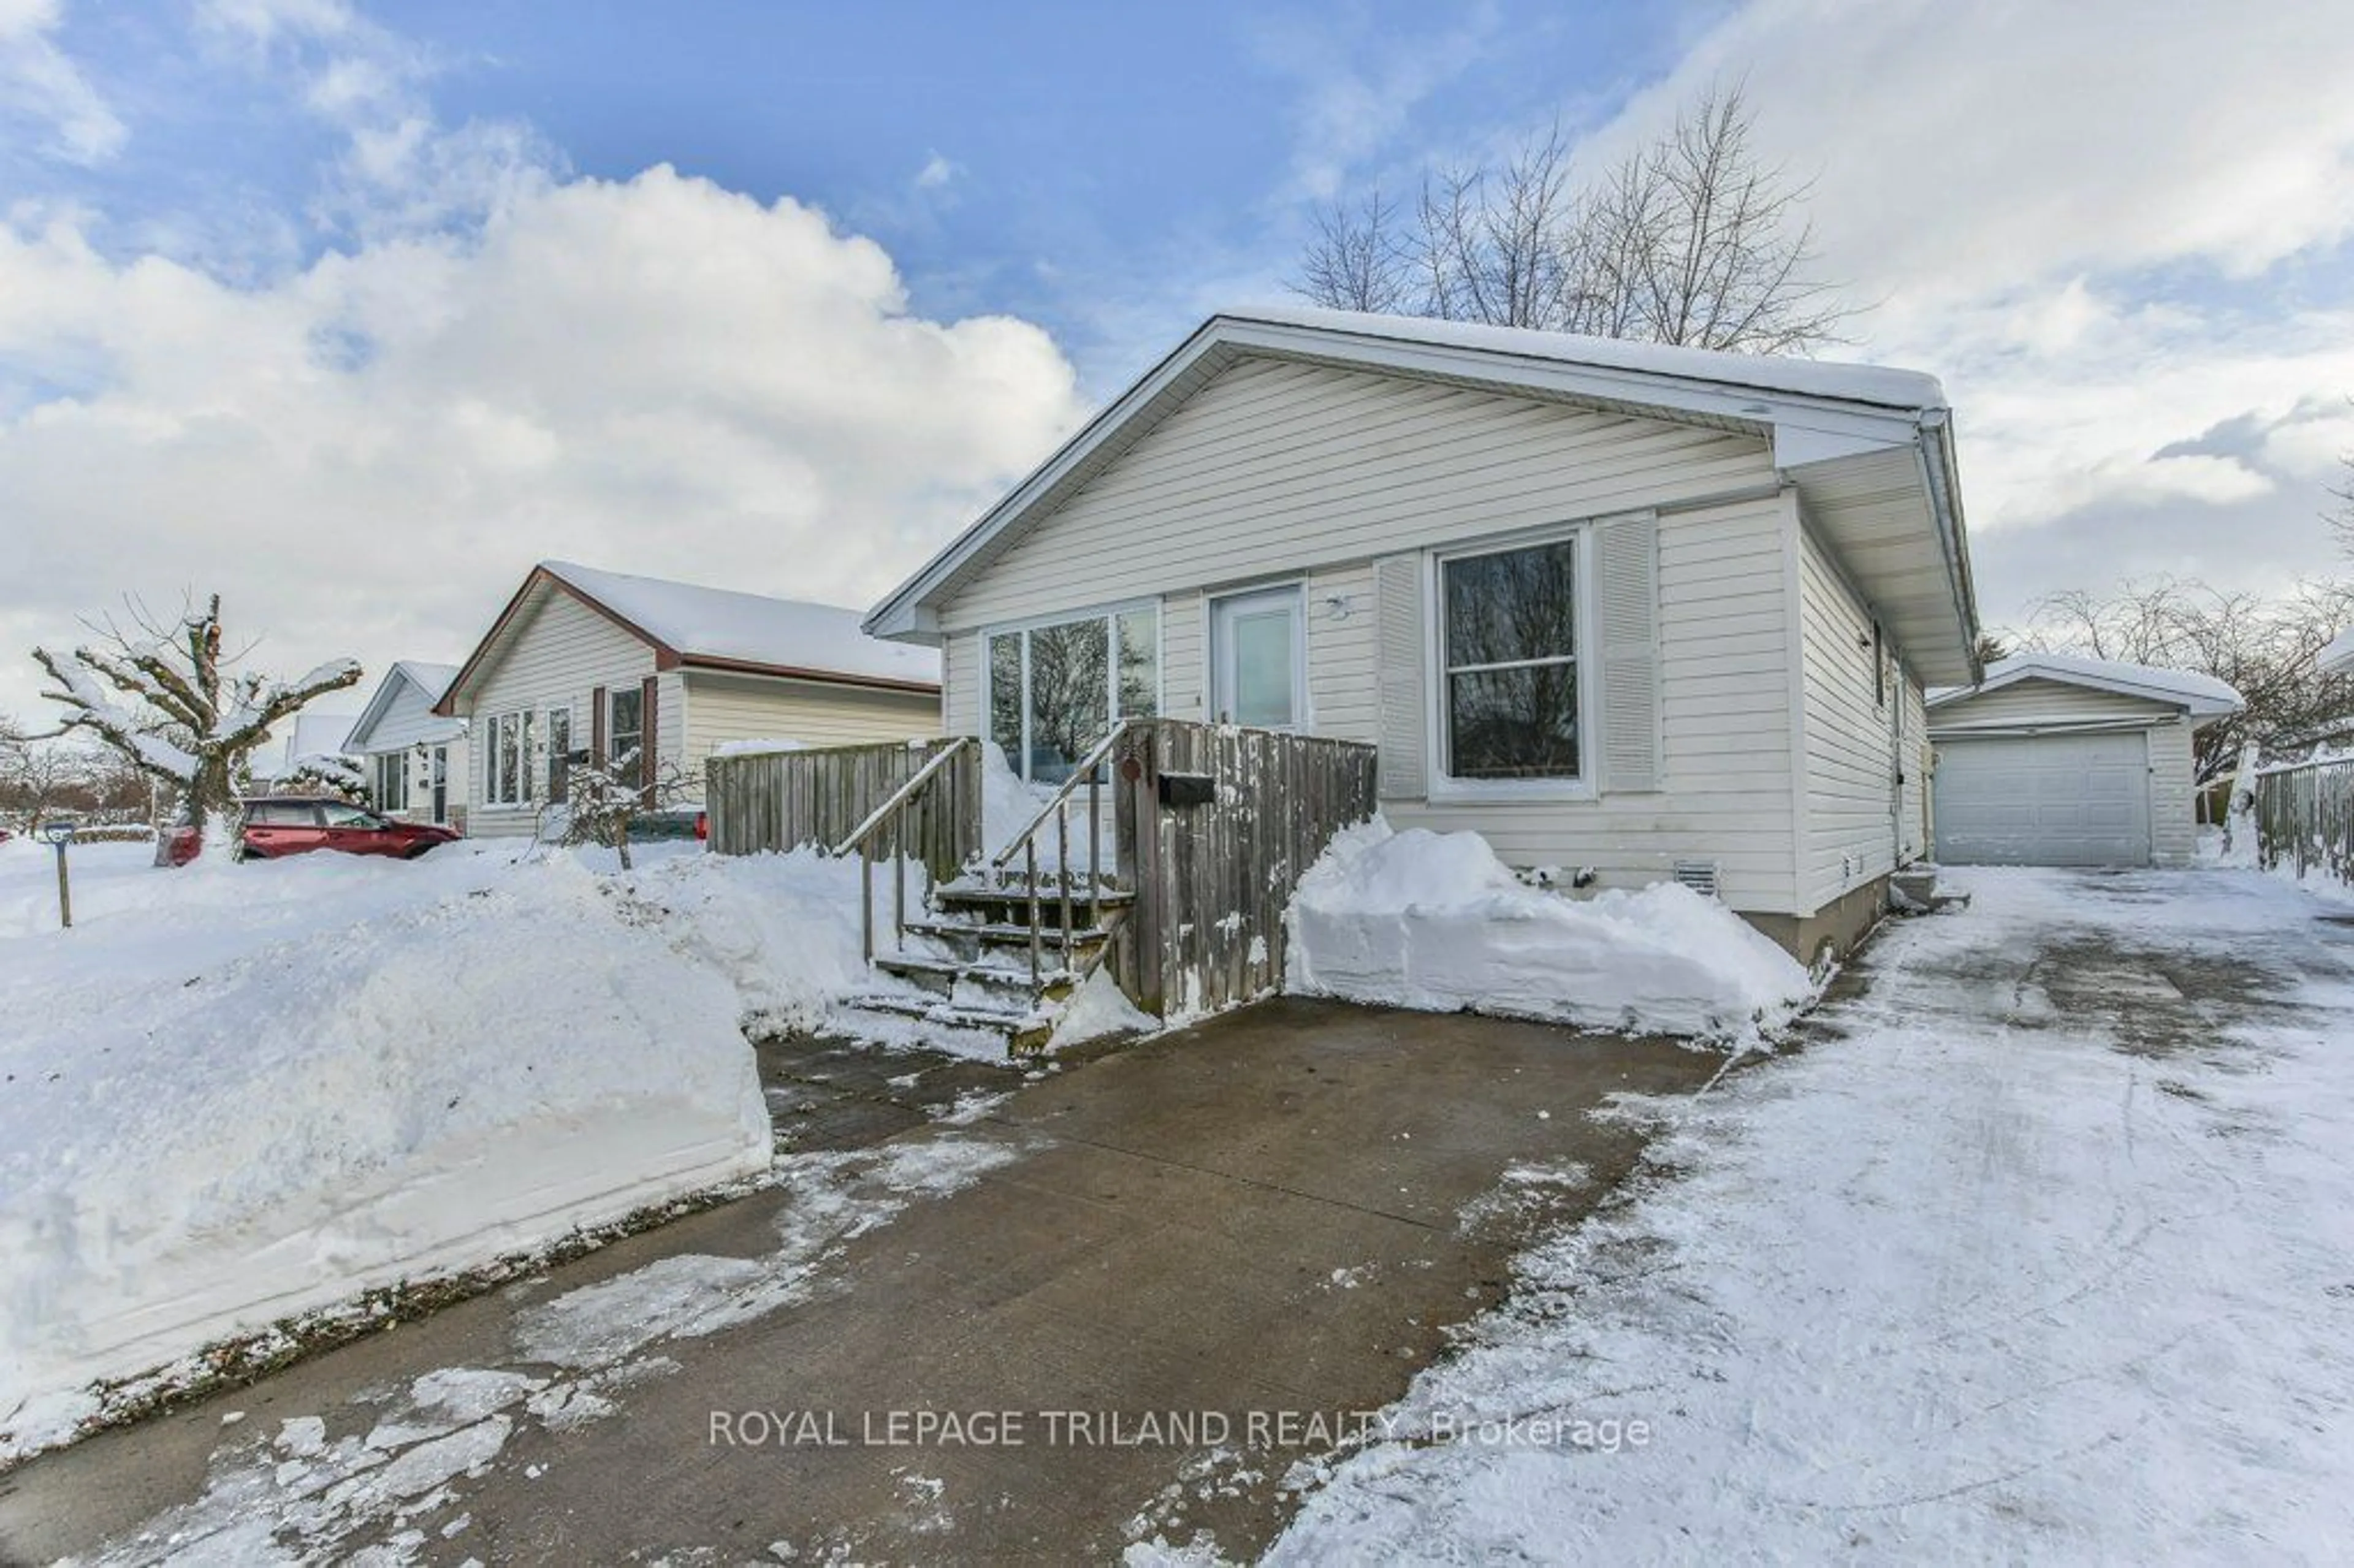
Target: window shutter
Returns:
[[651, 743], [1626, 600], [1399, 653], [596, 726]]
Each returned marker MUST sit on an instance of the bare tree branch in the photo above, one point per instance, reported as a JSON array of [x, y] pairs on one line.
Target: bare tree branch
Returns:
[[1690, 240]]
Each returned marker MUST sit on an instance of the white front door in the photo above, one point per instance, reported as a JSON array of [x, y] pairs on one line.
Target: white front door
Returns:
[[1255, 659]]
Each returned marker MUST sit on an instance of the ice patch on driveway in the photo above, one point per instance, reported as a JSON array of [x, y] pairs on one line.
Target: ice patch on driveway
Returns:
[[1940, 1284]]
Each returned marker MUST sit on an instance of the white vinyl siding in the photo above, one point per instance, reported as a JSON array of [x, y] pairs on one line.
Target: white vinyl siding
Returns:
[[1273, 469], [1724, 717], [408, 718], [1852, 806], [560, 653], [1913, 756], [720, 708], [409, 730], [2173, 820], [2041, 703]]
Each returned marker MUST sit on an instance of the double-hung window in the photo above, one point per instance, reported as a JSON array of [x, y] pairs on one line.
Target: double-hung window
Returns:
[[1056, 689], [1508, 688], [625, 730]]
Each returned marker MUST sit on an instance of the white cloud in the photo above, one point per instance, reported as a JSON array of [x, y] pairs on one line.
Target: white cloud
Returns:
[[657, 375], [2074, 214], [40, 86], [936, 173], [1358, 94]]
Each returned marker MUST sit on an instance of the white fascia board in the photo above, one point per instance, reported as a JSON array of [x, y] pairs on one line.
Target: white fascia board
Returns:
[[1804, 428]]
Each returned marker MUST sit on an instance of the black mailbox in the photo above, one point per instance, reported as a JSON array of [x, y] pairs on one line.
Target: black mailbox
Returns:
[[1188, 789]]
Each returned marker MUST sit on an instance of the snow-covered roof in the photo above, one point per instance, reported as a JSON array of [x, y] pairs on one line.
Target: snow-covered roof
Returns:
[[1878, 385], [2198, 696], [706, 625], [720, 629], [1871, 449], [2338, 657]]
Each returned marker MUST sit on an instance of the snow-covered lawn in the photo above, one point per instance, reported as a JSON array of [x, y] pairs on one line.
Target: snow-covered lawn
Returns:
[[234, 1093], [2042, 1248]]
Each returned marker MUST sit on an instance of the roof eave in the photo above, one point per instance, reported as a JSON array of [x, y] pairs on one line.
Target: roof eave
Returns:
[[1802, 427]]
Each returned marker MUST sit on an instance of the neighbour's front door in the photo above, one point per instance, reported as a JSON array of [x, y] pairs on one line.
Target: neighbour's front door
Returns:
[[1255, 660]]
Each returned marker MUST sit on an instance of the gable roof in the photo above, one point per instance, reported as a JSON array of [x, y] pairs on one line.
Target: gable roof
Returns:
[[1870, 448], [692, 626], [432, 680], [2201, 696]]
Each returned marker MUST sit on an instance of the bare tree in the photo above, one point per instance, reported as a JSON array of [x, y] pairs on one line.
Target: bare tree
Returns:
[[1690, 240], [2262, 648], [166, 699], [1358, 259]]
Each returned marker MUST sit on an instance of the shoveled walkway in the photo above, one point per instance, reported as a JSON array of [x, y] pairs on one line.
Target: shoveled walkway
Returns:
[[1244, 1232]]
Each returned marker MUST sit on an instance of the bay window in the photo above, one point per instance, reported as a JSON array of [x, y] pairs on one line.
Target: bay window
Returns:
[[1508, 695], [1055, 690]]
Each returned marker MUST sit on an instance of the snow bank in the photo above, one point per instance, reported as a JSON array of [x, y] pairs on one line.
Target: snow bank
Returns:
[[226, 1099], [1436, 921], [782, 929]]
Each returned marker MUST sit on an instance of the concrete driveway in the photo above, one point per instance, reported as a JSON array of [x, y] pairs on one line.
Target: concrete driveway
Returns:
[[1122, 1299]]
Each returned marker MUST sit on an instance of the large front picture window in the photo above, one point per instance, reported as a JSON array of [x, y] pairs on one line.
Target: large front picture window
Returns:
[[1055, 691], [1508, 636]]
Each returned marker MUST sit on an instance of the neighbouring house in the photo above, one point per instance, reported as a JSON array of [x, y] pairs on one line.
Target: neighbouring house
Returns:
[[585, 663], [312, 737], [2053, 760], [1636, 611], [415, 759]]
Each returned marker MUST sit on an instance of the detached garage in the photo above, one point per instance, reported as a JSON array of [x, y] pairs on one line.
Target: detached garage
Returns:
[[2055, 760]]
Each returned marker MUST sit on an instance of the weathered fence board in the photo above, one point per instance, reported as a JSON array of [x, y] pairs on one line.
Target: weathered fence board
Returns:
[[2305, 818], [784, 799], [1211, 880]]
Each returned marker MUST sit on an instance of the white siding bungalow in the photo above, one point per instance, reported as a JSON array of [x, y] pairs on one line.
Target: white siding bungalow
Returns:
[[2058, 760], [584, 662], [415, 759], [1655, 612]]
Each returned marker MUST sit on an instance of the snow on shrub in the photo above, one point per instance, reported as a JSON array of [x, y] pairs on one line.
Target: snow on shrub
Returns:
[[198, 1138], [1435, 921]]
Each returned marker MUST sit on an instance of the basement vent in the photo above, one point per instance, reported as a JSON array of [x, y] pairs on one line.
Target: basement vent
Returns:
[[1699, 876]]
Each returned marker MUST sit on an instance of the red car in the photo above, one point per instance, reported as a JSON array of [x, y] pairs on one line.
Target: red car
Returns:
[[273, 825]]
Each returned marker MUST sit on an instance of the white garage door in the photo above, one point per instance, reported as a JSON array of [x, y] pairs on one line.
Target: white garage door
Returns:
[[2078, 800]]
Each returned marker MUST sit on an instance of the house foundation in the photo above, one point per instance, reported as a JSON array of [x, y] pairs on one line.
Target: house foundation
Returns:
[[1832, 931]]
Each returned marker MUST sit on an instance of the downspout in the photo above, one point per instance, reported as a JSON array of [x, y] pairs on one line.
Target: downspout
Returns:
[[1935, 427]]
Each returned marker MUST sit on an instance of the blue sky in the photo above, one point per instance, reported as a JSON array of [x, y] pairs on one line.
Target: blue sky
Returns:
[[1073, 165], [384, 302]]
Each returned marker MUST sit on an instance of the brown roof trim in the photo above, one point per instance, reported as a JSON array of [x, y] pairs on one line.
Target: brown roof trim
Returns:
[[665, 656], [791, 672]]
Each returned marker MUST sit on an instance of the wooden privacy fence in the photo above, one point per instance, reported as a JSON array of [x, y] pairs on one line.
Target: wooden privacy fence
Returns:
[[1215, 826], [784, 799], [2304, 817]]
